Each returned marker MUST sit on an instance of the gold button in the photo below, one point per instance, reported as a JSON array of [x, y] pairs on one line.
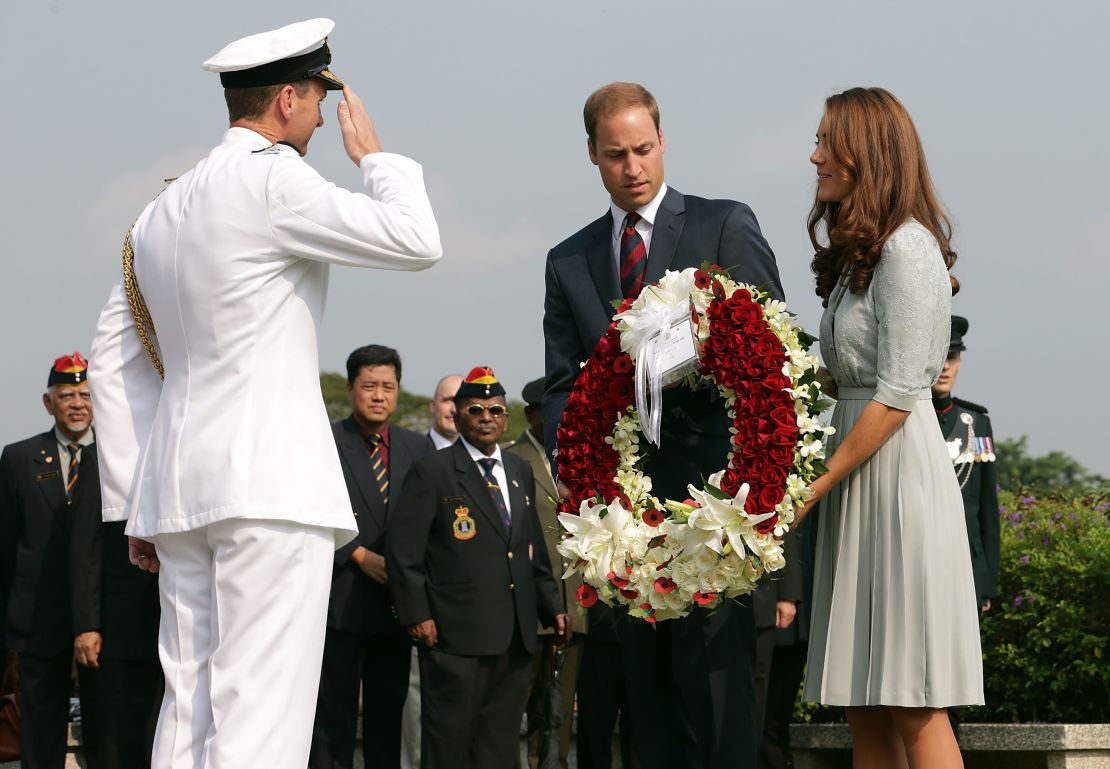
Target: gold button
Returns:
[[510, 553], [512, 586]]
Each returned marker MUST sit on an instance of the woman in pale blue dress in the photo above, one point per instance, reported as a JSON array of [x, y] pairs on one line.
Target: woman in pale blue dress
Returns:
[[895, 637]]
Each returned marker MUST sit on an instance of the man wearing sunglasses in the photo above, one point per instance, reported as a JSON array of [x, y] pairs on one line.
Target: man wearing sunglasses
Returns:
[[470, 577]]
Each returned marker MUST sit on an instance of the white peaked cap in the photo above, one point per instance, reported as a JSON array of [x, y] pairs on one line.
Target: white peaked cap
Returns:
[[266, 47]]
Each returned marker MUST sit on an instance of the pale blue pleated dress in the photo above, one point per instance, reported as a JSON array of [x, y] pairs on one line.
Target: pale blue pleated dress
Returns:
[[894, 611]]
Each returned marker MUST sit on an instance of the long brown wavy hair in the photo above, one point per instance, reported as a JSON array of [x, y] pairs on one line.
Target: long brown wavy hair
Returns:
[[879, 152]]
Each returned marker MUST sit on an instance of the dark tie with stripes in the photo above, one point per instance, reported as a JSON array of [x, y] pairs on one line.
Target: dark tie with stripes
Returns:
[[381, 472], [74, 468], [633, 257], [495, 494]]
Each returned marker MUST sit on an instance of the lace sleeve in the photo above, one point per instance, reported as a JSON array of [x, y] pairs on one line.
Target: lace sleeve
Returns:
[[912, 299]]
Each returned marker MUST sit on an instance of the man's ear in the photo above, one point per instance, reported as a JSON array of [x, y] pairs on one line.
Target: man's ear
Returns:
[[662, 142], [592, 150], [47, 404], [286, 100]]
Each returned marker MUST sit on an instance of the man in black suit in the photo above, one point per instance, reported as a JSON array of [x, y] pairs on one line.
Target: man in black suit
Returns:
[[470, 577], [364, 641], [647, 230], [115, 623], [38, 478]]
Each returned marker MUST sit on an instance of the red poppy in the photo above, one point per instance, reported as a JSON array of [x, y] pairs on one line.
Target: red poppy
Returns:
[[718, 290], [622, 364], [704, 599], [587, 596], [701, 279], [652, 517], [664, 585], [619, 582], [630, 594]]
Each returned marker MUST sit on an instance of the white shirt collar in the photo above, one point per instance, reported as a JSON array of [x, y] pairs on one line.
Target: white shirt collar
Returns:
[[475, 454], [647, 212], [85, 440], [438, 441]]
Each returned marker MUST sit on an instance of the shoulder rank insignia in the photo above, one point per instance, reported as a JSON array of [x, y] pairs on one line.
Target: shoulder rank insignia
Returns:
[[464, 525]]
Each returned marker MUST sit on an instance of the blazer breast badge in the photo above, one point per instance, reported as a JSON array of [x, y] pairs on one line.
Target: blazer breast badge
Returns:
[[464, 525]]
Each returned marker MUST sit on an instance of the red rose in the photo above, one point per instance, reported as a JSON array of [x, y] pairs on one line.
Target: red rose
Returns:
[[770, 496], [664, 585], [587, 596], [781, 455], [766, 344], [784, 417], [622, 390], [767, 526]]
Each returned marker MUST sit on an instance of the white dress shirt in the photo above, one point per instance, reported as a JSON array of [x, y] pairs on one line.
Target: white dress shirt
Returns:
[[438, 441], [498, 470], [644, 226], [63, 450]]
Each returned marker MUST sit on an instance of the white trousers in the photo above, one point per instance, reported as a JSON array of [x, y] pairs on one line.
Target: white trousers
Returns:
[[244, 605]]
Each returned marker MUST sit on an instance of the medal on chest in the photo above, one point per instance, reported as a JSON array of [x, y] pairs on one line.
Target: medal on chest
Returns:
[[967, 452]]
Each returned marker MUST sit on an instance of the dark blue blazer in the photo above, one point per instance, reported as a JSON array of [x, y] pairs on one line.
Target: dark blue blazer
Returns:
[[35, 524], [481, 589], [358, 603]]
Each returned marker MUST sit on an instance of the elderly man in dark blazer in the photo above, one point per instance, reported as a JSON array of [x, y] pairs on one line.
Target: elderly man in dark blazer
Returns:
[[38, 480], [470, 577], [648, 229], [364, 641]]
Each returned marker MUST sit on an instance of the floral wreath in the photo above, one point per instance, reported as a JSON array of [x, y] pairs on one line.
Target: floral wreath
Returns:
[[660, 558]]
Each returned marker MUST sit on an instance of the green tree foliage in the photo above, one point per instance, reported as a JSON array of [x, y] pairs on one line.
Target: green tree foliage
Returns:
[[1046, 639], [412, 409], [1018, 470]]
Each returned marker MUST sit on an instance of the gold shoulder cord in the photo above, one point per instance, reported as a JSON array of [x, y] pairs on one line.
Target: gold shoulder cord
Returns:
[[135, 301]]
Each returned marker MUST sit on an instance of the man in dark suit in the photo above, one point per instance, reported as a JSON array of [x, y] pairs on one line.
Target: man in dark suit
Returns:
[[115, 623], [647, 230], [38, 478], [364, 641], [470, 577], [967, 429]]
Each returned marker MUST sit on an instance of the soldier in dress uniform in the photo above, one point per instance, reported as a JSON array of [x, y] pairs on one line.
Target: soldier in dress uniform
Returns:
[[226, 470], [967, 430]]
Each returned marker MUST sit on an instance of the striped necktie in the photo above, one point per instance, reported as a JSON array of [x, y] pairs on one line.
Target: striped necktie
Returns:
[[74, 469], [495, 494], [381, 472], [633, 257]]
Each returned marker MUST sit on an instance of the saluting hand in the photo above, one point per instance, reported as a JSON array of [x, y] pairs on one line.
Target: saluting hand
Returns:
[[359, 137]]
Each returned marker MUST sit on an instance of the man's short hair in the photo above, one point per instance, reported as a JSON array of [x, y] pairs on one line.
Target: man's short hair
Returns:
[[372, 355], [252, 103], [613, 98]]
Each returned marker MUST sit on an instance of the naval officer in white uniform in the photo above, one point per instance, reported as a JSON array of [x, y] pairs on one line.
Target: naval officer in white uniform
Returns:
[[226, 471]]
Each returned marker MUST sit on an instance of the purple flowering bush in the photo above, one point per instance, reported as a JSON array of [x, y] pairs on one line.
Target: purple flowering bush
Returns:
[[1046, 640]]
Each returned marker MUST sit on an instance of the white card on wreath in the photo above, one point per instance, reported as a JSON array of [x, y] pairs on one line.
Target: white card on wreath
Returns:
[[676, 351]]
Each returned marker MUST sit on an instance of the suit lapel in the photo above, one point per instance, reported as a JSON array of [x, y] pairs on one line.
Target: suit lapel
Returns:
[[46, 461], [399, 461], [355, 454], [470, 478], [665, 233], [602, 264]]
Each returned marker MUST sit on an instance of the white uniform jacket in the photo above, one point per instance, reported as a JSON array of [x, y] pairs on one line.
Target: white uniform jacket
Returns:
[[233, 261]]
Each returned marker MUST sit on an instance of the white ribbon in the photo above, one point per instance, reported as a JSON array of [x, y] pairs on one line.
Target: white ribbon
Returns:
[[647, 353]]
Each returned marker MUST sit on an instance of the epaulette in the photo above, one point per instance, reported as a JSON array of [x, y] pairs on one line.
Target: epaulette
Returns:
[[970, 405]]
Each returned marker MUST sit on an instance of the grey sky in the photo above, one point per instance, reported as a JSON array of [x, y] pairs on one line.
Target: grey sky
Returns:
[[104, 100]]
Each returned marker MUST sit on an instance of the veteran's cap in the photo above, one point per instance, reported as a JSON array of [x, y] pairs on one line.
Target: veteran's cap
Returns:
[[286, 55], [480, 383], [959, 328], [533, 392], [68, 369]]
